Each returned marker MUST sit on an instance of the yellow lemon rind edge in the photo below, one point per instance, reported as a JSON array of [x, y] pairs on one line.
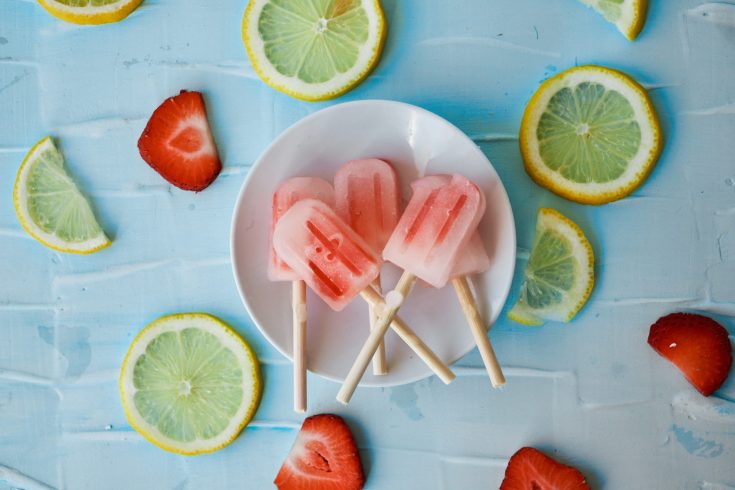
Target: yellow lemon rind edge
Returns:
[[635, 27], [561, 186], [249, 414], [533, 320], [67, 15], [329, 95], [29, 229]]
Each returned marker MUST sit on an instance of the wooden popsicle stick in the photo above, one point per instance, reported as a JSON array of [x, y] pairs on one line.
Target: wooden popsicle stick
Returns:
[[298, 305], [474, 319], [379, 366], [393, 301]]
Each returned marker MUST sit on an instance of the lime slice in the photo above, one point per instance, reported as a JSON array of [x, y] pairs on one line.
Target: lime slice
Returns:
[[627, 15], [590, 134], [50, 206], [90, 11], [189, 383], [313, 49], [560, 272]]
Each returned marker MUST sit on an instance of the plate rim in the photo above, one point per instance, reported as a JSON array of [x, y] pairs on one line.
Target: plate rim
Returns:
[[304, 121]]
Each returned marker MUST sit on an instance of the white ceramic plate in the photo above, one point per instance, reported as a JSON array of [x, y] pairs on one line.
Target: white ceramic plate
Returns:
[[416, 142]]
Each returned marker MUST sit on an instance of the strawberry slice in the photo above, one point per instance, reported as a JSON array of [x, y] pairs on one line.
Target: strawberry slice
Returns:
[[178, 144], [697, 345], [323, 457], [530, 469]]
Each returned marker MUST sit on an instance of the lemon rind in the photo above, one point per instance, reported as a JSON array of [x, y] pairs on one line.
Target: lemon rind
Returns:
[[149, 433], [595, 194], [259, 61], [91, 15], [49, 240]]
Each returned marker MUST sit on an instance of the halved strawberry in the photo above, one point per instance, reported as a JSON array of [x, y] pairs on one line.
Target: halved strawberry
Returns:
[[530, 469], [697, 345], [323, 457], [178, 144]]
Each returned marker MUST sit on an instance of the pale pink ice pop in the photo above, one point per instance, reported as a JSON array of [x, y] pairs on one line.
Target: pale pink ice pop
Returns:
[[289, 192], [472, 260], [367, 198], [436, 225], [324, 252]]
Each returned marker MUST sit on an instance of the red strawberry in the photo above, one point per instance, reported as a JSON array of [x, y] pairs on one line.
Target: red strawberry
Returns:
[[530, 469], [697, 345], [323, 457], [178, 144]]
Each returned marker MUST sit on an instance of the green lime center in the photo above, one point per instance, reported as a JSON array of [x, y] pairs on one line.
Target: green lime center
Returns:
[[188, 385], [313, 40], [54, 202], [550, 272], [588, 133]]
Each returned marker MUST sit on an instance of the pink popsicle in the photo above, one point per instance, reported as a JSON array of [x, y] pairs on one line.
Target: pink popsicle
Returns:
[[288, 193], [325, 252], [367, 198], [437, 224], [472, 260]]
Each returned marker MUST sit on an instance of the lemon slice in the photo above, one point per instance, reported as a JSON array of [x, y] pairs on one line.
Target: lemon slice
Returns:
[[627, 15], [189, 383], [50, 206], [590, 134], [90, 11], [313, 49], [559, 275]]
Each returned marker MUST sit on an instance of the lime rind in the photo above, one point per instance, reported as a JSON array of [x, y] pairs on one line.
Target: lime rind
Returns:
[[565, 99], [559, 276], [208, 355], [313, 49], [628, 16], [90, 12], [50, 206]]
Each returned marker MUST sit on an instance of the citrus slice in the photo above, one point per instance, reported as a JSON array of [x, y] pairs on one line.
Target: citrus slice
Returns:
[[313, 49], [590, 134], [90, 11], [559, 275], [627, 15], [51, 207], [189, 383]]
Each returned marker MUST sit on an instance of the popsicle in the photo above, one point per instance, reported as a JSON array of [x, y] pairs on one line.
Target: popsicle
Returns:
[[288, 193], [436, 225], [472, 260], [367, 198], [338, 265]]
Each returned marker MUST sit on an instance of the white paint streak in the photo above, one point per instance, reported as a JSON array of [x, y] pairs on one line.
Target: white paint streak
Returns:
[[485, 42], [493, 137], [98, 127], [725, 109], [25, 378], [510, 371], [16, 479], [716, 13]]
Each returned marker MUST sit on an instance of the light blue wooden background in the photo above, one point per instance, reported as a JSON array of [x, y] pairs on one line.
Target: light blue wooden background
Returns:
[[591, 392]]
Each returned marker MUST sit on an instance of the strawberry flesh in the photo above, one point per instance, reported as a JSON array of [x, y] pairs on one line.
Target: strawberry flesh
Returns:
[[697, 345], [323, 457], [530, 469], [178, 143]]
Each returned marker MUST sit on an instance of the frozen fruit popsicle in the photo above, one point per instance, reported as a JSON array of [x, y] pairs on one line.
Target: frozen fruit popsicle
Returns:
[[436, 225], [367, 198], [338, 265], [288, 193], [472, 260]]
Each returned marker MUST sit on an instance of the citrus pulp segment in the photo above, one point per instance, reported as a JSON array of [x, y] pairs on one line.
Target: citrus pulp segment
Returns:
[[50, 206], [590, 134], [189, 383], [314, 49], [90, 11], [627, 15], [559, 275]]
